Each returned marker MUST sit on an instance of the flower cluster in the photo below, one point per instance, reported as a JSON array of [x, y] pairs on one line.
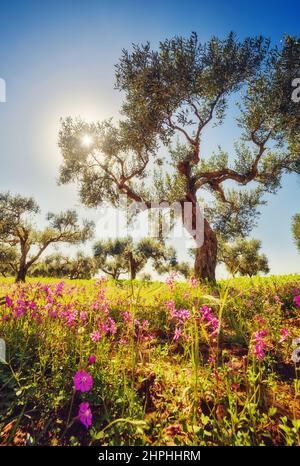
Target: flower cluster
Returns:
[[260, 344], [284, 333], [170, 280], [212, 323], [83, 382]]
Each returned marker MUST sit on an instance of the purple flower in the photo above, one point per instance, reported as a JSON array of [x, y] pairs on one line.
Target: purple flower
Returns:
[[259, 344], [297, 300], [59, 288], [177, 333], [8, 301], [83, 381], [92, 359], [85, 414], [170, 280], [112, 326], [183, 314], [259, 350], [212, 321]]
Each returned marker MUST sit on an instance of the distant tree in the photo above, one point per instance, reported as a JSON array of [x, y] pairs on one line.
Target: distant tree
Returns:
[[122, 255], [18, 231], [176, 92], [53, 265], [243, 257], [110, 258], [82, 267], [184, 268], [145, 277], [58, 265], [296, 230], [9, 259]]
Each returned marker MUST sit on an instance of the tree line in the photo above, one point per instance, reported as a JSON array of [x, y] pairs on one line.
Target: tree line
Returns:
[[22, 245]]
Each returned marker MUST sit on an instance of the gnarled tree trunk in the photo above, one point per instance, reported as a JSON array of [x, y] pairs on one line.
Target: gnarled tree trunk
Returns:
[[21, 275], [205, 238], [206, 255]]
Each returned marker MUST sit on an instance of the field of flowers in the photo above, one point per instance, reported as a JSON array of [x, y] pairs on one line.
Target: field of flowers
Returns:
[[132, 363]]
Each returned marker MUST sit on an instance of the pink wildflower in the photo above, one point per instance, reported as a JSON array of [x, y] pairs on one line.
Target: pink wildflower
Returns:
[[83, 316], [92, 359], [177, 333], [85, 414], [193, 283], [83, 381], [284, 333], [297, 300], [181, 314], [112, 326], [170, 280], [8, 301], [259, 349], [127, 317], [259, 344], [96, 336], [212, 321], [59, 288], [170, 305]]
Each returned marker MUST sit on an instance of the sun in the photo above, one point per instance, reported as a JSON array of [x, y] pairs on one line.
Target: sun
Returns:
[[86, 140]]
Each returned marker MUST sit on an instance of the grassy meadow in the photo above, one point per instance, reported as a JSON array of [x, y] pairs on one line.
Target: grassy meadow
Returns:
[[96, 362]]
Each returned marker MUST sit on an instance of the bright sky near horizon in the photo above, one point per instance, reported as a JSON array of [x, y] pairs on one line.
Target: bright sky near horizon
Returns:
[[58, 57]]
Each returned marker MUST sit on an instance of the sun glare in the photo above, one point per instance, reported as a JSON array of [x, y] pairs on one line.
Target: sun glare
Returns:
[[86, 140]]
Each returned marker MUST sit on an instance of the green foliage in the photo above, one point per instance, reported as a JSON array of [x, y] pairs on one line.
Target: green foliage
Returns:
[[9, 259], [243, 257], [296, 230]]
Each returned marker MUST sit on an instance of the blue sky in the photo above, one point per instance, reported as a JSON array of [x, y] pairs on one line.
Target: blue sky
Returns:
[[57, 58]]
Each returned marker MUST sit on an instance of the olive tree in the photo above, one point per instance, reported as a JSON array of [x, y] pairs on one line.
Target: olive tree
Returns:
[[122, 255], [243, 257], [171, 95], [58, 265]]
